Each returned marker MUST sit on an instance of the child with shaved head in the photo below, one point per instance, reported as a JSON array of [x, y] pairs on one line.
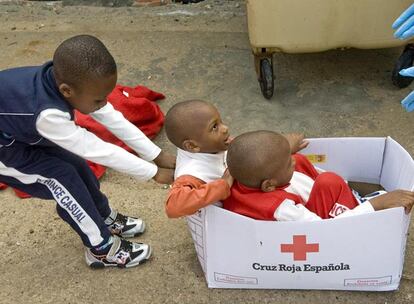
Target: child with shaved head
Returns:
[[196, 129], [43, 152], [272, 184], [202, 139]]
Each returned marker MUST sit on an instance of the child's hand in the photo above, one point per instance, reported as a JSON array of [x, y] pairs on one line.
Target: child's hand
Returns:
[[164, 176], [396, 198], [165, 160], [228, 178], [296, 141]]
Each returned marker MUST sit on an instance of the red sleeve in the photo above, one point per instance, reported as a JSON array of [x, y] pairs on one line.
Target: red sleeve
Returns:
[[189, 194], [304, 166]]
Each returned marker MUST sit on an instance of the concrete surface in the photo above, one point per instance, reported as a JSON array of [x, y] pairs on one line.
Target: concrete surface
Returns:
[[192, 51]]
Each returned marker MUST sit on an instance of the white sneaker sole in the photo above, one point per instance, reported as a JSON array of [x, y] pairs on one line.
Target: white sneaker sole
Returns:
[[97, 264]]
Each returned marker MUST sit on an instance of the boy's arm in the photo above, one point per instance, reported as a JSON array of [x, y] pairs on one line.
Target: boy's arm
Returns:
[[118, 125], [396, 198], [56, 126], [189, 194], [393, 199], [288, 211]]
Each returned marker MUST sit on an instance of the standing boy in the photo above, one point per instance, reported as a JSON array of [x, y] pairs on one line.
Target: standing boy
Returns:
[[42, 151]]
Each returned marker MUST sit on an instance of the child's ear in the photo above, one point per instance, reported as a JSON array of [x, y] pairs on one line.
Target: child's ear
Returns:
[[268, 185], [191, 146], [66, 90]]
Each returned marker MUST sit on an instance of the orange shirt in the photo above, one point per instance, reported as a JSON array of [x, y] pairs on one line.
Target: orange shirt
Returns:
[[189, 194]]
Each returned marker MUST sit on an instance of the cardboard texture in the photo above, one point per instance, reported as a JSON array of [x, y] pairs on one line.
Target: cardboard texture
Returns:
[[297, 26], [364, 252]]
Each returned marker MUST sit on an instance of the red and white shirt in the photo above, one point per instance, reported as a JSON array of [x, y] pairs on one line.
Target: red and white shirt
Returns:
[[285, 203]]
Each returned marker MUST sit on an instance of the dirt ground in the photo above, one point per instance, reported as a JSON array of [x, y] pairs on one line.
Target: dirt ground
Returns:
[[192, 51]]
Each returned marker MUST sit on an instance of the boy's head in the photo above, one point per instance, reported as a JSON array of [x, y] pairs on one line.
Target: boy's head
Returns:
[[85, 72], [261, 159], [196, 126]]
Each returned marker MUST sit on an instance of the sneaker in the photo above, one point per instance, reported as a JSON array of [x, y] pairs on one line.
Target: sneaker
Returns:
[[122, 254], [124, 226]]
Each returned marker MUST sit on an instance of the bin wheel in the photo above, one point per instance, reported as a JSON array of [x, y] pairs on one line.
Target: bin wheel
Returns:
[[403, 62], [266, 78]]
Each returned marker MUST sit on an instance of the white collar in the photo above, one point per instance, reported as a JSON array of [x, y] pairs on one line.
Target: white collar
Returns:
[[205, 166]]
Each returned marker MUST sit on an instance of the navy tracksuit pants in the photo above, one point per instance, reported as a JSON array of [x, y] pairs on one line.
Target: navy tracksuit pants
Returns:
[[50, 172]]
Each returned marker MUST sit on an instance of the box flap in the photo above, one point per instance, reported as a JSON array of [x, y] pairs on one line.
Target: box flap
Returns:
[[356, 159], [398, 167]]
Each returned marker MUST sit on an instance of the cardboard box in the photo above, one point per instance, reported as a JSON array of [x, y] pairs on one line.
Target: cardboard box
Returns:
[[364, 252]]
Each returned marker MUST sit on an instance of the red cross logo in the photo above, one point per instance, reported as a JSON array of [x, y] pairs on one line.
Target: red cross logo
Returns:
[[299, 248]]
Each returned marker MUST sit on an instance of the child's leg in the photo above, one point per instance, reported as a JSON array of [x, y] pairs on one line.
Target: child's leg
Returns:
[[330, 196], [30, 169], [124, 226], [87, 176]]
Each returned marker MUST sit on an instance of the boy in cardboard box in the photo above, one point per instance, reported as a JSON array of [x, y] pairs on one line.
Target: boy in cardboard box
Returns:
[[196, 129], [271, 183]]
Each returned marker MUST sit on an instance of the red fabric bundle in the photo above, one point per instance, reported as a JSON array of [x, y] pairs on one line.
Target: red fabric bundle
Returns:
[[138, 108], [137, 105]]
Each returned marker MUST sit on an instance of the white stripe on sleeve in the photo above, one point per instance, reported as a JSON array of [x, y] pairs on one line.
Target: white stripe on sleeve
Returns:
[[363, 208], [289, 211]]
